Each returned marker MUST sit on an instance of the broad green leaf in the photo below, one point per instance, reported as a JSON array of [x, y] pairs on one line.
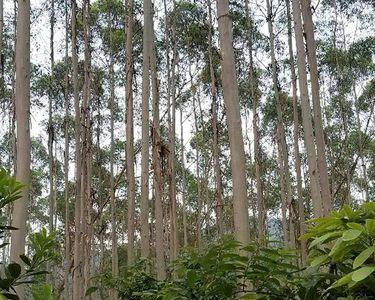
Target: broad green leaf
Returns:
[[362, 257], [336, 247], [42, 292], [323, 238], [370, 226], [250, 296], [355, 226], [351, 234], [319, 260], [362, 273], [14, 270], [342, 281], [25, 259], [11, 296]]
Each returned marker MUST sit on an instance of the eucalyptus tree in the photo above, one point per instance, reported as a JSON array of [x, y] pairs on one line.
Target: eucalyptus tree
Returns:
[[231, 99], [77, 270], [22, 106]]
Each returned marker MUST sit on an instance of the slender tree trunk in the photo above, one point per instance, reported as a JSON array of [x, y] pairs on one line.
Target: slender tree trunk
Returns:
[[199, 180], [156, 158], [23, 132], [77, 268], [231, 99], [129, 130], [66, 158], [257, 158], [184, 217], [2, 57], [50, 124], [13, 125], [172, 146], [360, 140], [51, 133], [318, 124], [145, 230], [282, 187], [86, 150], [284, 163], [215, 146], [296, 130], [197, 163], [112, 153], [306, 112]]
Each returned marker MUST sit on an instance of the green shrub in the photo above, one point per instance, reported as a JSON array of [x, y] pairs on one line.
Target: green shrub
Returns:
[[42, 245], [343, 244]]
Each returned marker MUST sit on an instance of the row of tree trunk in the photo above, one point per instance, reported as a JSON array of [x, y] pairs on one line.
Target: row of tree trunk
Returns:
[[80, 266]]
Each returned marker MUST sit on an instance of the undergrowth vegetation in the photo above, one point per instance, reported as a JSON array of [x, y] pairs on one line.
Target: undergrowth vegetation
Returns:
[[341, 266]]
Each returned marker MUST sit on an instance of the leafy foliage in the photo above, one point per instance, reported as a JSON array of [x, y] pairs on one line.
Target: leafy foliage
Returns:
[[42, 244], [345, 243]]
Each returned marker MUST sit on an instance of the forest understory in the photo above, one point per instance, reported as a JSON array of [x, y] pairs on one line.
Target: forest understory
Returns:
[[187, 149]]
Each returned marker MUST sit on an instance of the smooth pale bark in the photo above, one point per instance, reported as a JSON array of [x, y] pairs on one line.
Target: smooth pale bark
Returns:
[[197, 164], [306, 112], [2, 58], [77, 267], [129, 128], [50, 128], [296, 130], [199, 179], [19, 216], [100, 250], [172, 146], [66, 159], [282, 188], [13, 121], [231, 100], [145, 229], [261, 228], [360, 141], [183, 188], [318, 123], [156, 161], [114, 261], [215, 146], [86, 151], [280, 132]]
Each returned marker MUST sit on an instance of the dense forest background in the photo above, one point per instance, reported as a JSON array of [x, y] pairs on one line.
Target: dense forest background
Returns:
[[142, 128]]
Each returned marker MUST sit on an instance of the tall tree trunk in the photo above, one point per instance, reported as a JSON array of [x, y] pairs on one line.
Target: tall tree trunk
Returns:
[[23, 132], [172, 146], [231, 99], [2, 57], [318, 124], [50, 124], [112, 153], [282, 187], [183, 189], [66, 158], [86, 149], [197, 163], [360, 140], [145, 231], [129, 127], [215, 146], [284, 163], [306, 112], [296, 130], [156, 161], [257, 159], [77, 268], [13, 125], [51, 133]]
